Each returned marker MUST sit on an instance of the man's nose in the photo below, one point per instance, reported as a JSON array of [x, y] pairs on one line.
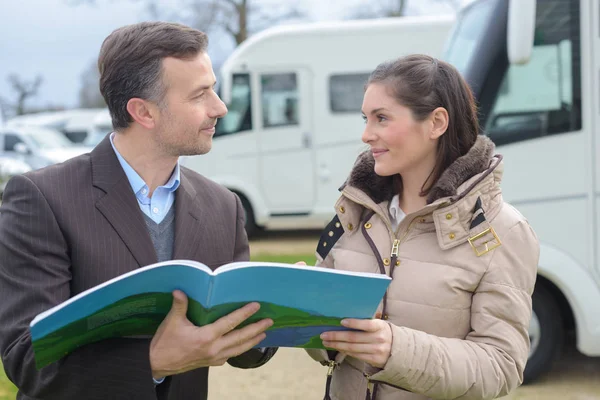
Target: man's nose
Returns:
[[219, 108]]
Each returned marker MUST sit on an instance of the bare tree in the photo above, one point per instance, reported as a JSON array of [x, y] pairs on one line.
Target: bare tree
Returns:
[[392, 8], [25, 90], [89, 92], [237, 18]]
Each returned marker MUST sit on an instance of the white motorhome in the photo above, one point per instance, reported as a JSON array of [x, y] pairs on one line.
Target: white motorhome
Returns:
[[535, 68], [294, 125]]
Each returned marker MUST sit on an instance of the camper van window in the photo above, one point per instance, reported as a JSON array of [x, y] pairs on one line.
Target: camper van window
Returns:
[[346, 92], [543, 97], [279, 96], [239, 114]]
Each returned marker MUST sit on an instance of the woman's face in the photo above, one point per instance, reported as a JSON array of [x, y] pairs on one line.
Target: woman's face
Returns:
[[400, 144]]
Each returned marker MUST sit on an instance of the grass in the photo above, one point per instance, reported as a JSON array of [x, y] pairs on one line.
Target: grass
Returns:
[[309, 259], [8, 391]]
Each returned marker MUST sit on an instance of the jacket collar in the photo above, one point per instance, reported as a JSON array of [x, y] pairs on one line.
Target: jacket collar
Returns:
[[381, 188], [120, 207], [451, 201]]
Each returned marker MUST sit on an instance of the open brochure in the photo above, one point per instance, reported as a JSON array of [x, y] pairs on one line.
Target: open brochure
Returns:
[[302, 301]]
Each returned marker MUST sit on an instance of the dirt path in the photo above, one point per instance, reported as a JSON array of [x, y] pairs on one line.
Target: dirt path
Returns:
[[292, 375]]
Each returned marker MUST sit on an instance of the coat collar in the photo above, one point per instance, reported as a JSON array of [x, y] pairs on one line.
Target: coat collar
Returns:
[[451, 204], [381, 188]]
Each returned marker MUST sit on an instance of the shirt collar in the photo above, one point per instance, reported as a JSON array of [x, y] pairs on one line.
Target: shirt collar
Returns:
[[394, 208], [136, 181]]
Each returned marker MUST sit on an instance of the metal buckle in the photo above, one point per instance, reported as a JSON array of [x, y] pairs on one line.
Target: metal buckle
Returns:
[[486, 247]]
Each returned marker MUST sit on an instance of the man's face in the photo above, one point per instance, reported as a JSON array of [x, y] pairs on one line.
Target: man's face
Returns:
[[186, 123]]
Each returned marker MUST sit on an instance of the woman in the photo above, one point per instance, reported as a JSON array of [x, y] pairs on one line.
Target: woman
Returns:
[[424, 206]]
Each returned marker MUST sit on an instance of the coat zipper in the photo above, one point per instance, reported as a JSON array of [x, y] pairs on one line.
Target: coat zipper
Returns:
[[371, 383], [393, 259]]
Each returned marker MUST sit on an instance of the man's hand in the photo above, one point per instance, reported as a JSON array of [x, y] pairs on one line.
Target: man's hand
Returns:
[[179, 346], [371, 344]]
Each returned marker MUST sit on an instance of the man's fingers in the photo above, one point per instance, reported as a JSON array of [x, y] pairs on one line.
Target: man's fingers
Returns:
[[179, 306], [244, 346], [247, 333], [230, 321]]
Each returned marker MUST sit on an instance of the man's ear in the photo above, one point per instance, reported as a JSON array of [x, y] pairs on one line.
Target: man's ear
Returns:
[[439, 122], [142, 112]]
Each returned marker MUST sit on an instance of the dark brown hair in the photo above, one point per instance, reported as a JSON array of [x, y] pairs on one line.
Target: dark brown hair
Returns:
[[423, 83], [130, 63]]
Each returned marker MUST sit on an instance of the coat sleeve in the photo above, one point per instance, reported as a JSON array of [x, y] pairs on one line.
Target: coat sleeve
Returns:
[[35, 274], [490, 361], [253, 358]]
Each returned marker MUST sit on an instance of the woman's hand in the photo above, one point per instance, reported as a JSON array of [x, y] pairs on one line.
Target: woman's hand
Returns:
[[371, 344]]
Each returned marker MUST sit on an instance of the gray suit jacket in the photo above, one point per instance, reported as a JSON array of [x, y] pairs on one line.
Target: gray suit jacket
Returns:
[[69, 227]]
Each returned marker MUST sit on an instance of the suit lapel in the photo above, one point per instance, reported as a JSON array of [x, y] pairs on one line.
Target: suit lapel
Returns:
[[189, 231], [119, 205]]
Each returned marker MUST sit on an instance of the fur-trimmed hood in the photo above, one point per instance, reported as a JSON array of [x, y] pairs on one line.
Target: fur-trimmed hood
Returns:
[[381, 188]]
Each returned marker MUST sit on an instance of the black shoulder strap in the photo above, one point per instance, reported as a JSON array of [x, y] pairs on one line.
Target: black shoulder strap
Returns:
[[331, 234]]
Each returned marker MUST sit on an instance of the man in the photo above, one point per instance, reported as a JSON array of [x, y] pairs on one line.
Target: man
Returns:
[[127, 204]]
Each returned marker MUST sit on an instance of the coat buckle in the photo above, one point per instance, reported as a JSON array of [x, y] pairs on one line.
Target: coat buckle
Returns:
[[485, 247]]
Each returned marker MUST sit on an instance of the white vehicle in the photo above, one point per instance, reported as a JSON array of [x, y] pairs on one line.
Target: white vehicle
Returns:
[[101, 126], [540, 102], [36, 146], [74, 123], [294, 125], [10, 167]]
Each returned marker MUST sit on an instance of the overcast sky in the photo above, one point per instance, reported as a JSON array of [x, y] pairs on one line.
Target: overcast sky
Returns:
[[58, 40]]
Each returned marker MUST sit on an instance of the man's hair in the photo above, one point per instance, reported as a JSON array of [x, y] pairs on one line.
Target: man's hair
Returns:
[[130, 63]]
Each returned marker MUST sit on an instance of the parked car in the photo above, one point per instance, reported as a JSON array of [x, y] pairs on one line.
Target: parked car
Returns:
[[100, 127], [74, 123], [10, 167], [37, 147]]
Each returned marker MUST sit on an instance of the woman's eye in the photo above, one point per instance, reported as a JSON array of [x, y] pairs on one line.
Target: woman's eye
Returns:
[[381, 118], [364, 118]]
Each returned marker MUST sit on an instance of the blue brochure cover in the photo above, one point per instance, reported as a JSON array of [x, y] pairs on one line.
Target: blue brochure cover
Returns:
[[302, 301]]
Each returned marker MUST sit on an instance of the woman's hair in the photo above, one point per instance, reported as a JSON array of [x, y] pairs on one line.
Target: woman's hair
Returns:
[[423, 83]]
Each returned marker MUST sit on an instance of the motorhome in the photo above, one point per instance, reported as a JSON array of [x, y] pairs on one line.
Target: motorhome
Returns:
[[534, 67], [294, 124]]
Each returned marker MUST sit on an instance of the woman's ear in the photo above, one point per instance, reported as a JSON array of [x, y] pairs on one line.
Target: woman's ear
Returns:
[[439, 121]]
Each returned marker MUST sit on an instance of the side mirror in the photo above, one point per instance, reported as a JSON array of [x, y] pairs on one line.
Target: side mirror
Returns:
[[22, 148], [520, 30]]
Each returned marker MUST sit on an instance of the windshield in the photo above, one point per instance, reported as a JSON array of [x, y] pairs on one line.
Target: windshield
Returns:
[[467, 31], [47, 138]]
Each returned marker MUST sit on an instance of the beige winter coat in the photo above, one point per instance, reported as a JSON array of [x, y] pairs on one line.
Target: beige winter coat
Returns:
[[459, 311]]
